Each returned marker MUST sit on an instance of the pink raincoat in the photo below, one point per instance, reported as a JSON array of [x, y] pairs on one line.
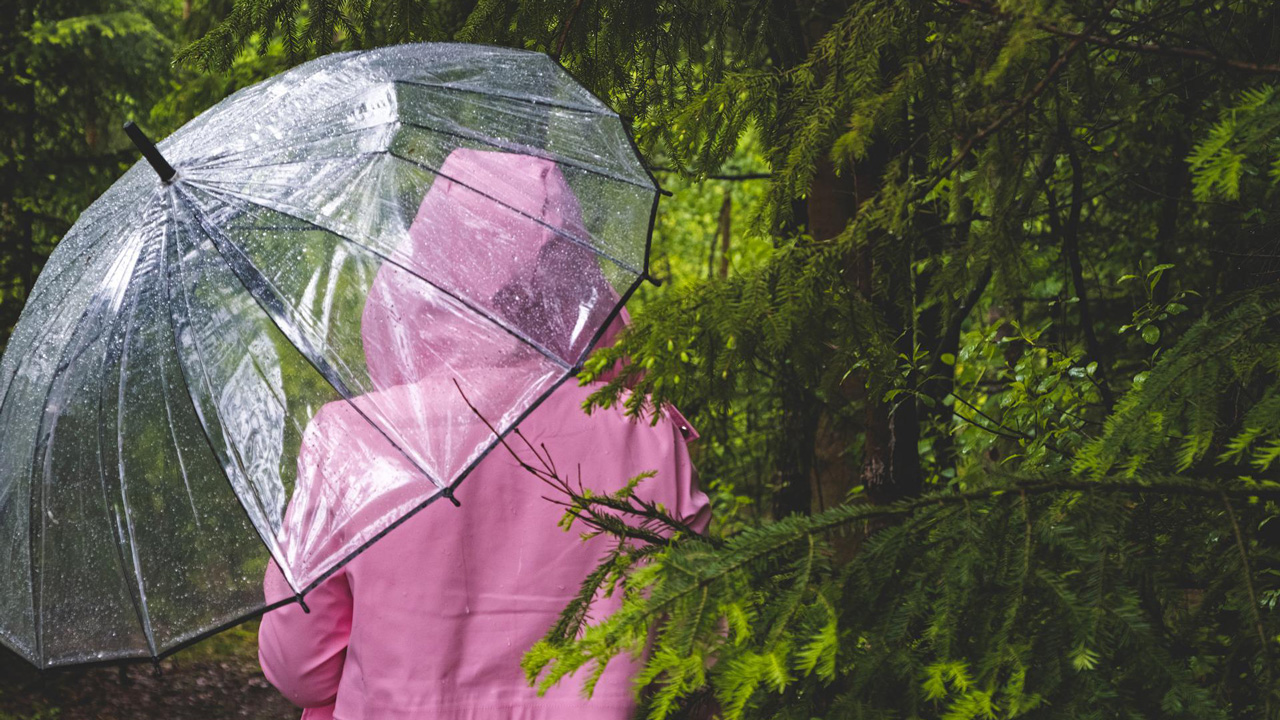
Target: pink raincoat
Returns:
[[430, 622]]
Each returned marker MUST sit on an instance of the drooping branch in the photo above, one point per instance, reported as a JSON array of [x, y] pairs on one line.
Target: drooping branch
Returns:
[[564, 32], [777, 538], [1115, 43], [1004, 118]]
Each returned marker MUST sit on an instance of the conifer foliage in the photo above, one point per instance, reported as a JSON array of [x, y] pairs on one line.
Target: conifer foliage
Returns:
[[992, 422]]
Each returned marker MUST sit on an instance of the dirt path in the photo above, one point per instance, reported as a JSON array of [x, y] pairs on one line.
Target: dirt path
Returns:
[[216, 680]]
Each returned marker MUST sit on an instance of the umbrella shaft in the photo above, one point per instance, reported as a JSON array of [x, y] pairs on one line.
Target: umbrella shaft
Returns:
[[149, 151]]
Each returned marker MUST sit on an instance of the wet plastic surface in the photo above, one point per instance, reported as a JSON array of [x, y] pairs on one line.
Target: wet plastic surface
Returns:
[[355, 239]]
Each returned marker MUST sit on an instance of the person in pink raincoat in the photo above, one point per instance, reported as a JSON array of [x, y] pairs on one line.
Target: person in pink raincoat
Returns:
[[430, 622]]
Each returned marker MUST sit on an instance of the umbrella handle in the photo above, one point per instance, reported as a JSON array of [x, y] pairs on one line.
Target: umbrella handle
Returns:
[[149, 151]]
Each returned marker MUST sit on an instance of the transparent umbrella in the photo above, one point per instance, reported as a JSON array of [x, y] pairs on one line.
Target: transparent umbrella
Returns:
[[362, 237]]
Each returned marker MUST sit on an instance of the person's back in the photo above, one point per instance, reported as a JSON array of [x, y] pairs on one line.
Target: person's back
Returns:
[[431, 621]]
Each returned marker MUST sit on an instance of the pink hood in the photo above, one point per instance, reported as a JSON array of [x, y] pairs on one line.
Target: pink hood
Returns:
[[504, 232]]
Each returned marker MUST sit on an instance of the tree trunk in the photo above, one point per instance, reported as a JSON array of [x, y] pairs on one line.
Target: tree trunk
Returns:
[[890, 464], [796, 455]]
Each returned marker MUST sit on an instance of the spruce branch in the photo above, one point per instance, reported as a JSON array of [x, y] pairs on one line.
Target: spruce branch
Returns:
[[754, 545]]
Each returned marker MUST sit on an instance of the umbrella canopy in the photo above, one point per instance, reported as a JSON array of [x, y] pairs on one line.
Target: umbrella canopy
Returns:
[[347, 240]]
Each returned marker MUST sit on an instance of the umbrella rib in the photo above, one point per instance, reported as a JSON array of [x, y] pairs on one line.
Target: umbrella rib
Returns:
[[290, 331], [526, 150], [475, 137], [216, 159], [463, 475], [227, 161], [4, 400], [295, 213], [48, 327], [139, 599], [41, 447], [487, 140], [173, 436], [213, 183], [438, 172], [606, 112], [622, 301], [556, 230], [273, 394], [272, 547], [492, 142], [45, 331]]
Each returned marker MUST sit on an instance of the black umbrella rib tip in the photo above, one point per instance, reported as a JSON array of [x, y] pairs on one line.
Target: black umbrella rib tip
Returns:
[[447, 493], [149, 151]]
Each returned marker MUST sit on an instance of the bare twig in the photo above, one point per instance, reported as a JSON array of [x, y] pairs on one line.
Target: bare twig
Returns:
[[583, 506], [727, 176]]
